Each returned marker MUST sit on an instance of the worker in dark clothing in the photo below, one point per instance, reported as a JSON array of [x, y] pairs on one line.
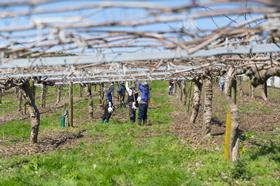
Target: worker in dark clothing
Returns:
[[171, 87], [109, 108], [132, 102], [143, 103], [121, 93]]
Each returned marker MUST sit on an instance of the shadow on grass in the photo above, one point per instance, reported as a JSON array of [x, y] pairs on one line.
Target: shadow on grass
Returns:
[[263, 149]]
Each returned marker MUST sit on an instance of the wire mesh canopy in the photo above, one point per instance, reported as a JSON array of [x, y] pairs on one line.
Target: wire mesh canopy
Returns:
[[82, 41]]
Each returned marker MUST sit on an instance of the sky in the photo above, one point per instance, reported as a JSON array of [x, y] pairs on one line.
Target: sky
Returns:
[[118, 14]]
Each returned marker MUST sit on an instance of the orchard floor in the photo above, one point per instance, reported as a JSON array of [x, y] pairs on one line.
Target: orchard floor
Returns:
[[169, 151]]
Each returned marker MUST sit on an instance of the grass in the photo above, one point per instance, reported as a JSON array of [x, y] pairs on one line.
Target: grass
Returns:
[[125, 154]]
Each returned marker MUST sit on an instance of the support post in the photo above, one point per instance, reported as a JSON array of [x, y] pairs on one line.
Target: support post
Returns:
[[44, 95], [71, 111], [1, 94], [90, 101], [227, 137], [58, 93], [234, 88]]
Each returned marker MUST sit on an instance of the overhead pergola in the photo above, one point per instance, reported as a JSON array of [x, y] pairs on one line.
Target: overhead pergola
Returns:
[[156, 41]]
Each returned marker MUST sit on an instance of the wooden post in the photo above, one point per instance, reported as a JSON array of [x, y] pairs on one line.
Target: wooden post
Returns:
[[234, 87], [227, 137], [58, 93], [241, 92], [44, 95], [71, 111], [90, 101], [19, 99], [185, 92], [101, 94], [1, 94]]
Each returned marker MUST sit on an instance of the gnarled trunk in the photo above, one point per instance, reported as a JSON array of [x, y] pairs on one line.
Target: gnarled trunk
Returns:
[[90, 101], [29, 94], [234, 128], [196, 100], [207, 115], [235, 133]]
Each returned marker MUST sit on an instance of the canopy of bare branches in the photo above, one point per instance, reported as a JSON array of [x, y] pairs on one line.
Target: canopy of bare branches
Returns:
[[157, 41]]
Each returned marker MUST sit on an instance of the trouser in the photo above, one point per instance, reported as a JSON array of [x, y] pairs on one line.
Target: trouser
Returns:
[[170, 90], [106, 116], [142, 113], [132, 113], [222, 87]]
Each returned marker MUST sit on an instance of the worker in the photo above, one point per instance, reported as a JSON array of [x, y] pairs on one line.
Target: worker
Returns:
[[171, 87], [109, 108], [132, 102], [143, 102], [222, 83], [121, 93]]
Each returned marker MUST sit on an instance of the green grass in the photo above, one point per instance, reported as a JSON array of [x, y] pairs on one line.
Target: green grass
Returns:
[[125, 154]]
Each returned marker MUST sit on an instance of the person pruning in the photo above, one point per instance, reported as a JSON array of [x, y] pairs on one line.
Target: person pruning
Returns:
[[222, 83], [171, 87], [109, 108], [143, 103], [132, 102]]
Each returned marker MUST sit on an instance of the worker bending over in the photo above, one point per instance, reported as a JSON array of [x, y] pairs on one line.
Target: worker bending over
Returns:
[[109, 108]]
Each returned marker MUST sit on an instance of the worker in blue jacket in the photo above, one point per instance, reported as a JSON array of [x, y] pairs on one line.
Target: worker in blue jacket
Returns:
[[109, 108], [143, 102]]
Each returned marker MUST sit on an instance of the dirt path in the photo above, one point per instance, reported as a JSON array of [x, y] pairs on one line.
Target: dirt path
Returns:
[[254, 120]]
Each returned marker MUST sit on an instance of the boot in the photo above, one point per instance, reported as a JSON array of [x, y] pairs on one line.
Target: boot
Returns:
[[139, 122]]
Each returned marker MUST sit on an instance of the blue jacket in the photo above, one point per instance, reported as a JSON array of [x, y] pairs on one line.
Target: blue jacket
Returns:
[[121, 90], [145, 92], [108, 94]]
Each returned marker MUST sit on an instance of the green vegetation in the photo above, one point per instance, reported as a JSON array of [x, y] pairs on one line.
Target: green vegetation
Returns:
[[125, 154]]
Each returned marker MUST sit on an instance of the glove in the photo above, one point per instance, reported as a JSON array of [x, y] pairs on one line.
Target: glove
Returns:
[[110, 109], [134, 106], [139, 99], [169, 86]]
